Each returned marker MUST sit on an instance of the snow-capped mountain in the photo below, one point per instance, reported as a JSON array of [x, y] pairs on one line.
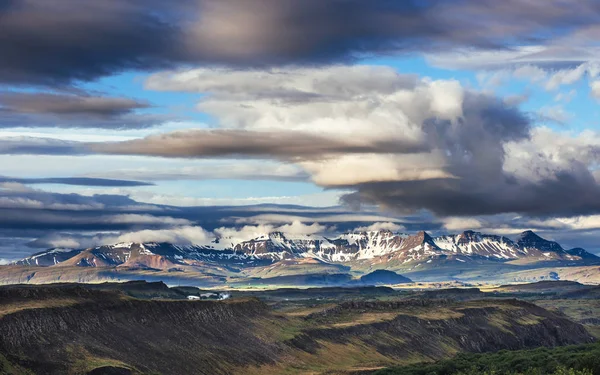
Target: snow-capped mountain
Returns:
[[49, 257], [375, 246]]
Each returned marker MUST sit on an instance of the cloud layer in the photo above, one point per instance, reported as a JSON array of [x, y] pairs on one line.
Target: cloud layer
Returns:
[[69, 110], [399, 142], [58, 41]]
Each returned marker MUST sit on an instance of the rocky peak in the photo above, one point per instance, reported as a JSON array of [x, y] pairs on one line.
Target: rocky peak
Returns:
[[421, 239], [277, 235], [528, 239], [529, 235], [425, 237], [468, 236], [583, 254]]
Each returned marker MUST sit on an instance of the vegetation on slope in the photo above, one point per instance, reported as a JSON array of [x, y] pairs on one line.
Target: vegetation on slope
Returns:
[[568, 360]]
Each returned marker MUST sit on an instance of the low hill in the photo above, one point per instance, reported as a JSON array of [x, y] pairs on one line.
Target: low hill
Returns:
[[384, 277]]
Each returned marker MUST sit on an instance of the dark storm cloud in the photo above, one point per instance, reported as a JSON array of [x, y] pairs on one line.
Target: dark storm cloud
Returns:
[[20, 109], [78, 181], [58, 41], [568, 195], [475, 155]]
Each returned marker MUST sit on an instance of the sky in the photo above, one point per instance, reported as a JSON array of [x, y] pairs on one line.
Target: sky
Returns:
[[147, 120]]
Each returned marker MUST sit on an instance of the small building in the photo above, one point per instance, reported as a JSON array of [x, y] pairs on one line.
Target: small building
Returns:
[[193, 298]]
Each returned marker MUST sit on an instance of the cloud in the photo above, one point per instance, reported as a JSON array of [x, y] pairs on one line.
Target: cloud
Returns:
[[59, 41], [187, 235], [569, 191], [213, 170], [299, 228], [320, 199], [142, 220], [36, 218], [22, 207], [79, 181], [556, 114], [460, 223], [23, 145], [68, 110], [395, 141], [566, 97], [276, 219], [285, 85], [61, 241], [341, 171], [332, 121], [470, 140], [68, 104], [546, 173], [381, 226], [182, 235], [50, 42], [178, 235], [567, 77], [595, 87], [547, 66], [266, 144], [233, 235]]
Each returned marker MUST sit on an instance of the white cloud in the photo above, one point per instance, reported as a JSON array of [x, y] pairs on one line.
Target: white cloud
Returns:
[[186, 235], [566, 77], [29, 203], [530, 72], [322, 199], [460, 223], [548, 152], [297, 227], [595, 89], [64, 242], [231, 236], [536, 64], [342, 170], [566, 97], [210, 170], [555, 113], [366, 103], [393, 227]]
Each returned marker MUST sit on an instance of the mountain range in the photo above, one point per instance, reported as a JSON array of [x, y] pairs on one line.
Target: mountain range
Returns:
[[372, 246], [282, 259]]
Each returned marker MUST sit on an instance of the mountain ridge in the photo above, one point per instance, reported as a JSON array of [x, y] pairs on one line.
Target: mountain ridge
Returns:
[[368, 246]]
